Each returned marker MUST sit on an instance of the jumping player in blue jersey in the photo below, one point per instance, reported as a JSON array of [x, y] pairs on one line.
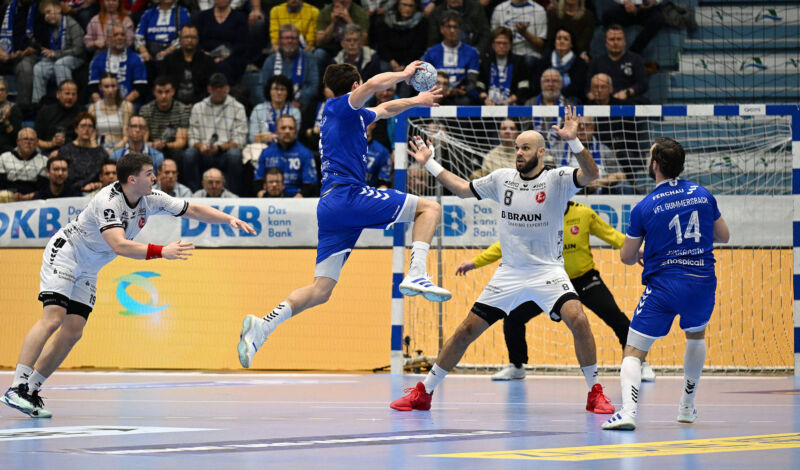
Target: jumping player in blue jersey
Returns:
[[347, 205], [679, 222]]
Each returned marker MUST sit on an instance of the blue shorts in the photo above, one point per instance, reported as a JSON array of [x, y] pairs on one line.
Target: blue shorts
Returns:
[[679, 294], [346, 210]]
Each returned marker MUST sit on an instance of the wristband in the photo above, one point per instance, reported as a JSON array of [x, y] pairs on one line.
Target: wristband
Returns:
[[575, 145], [433, 167], [153, 251]]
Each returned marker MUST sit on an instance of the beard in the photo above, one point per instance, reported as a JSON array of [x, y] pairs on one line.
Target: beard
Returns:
[[530, 165], [651, 171]]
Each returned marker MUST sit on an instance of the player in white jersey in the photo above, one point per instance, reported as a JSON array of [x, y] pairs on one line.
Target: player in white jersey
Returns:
[[531, 205], [74, 256]]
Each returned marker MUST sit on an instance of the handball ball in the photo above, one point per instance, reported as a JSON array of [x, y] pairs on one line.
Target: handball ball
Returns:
[[425, 78]]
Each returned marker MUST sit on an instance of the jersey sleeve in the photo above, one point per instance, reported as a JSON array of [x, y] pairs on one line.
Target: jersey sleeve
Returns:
[[489, 256], [163, 203], [602, 230], [635, 226], [486, 187], [369, 116], [107, 215], [567, 182]]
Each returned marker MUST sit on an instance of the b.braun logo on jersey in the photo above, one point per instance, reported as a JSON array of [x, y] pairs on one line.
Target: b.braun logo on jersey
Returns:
[[540, 197], [525, 217]]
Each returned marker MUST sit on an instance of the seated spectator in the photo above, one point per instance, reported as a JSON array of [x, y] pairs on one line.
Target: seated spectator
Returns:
[[81, 11], [330, 28], [646, 13], [293, 158], [213, 185], [458, 59], [97, 38], [600, 90], [443, 82], [63, 52], [108, 175], [10, 119], [189, 68], [167, 120], [265, 116], [401, 37], [625, 68], [611, 175], [295, 64], [503, 78], [122, 62], [54, 122], [84, 154], [222, 37], [137, 131], [217, 134], [22, 170], [355, 53], [572, 16], [528, 20], [20, 20], [168, 180], [473, 26], [298, 13], [504, 155], [551, 95], [379, 161], [273, 184], [112, 113], [573, 70], [57, 175], [157, 35]]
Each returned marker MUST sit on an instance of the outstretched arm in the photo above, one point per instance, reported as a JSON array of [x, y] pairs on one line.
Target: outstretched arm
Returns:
[[214, 216], [395, 107], [380, 82], [588, 170], [115, 237], [423, 154]]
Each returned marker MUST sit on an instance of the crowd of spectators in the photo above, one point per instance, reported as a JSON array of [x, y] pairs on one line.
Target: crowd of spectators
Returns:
[[226, 95]]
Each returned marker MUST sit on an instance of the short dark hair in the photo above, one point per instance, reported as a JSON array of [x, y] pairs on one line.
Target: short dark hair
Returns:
[[503, 31], [287, 116], [162, 80], [669, 155], [450, 15], [108, 161], [280, 80], [340, 78], [614, 27], [273, 170], [57, 158], [188, 25], [81, 116], [68, 81], [131, 164]]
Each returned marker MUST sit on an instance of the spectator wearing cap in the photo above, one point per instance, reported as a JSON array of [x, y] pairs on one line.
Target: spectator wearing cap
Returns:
[[217, 135]]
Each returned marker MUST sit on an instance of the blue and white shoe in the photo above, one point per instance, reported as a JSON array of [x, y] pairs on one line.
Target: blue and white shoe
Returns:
[[620, 422], [251, 339], [687, 414], [18, 398], [416, 285]]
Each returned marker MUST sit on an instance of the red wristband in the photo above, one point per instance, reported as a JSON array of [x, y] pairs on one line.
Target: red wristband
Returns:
[[153, 251]]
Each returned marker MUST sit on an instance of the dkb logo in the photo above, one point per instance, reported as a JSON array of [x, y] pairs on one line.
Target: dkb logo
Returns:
[[133, 306]]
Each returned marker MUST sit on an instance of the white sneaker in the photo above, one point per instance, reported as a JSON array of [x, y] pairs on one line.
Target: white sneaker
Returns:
[[250, 339], [510, 372], [648, 374], [687, 414], [39, 410], [415, 285], [18, 398], [621, 421]]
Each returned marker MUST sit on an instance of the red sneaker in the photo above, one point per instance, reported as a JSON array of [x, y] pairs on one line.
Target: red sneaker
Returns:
[[417, 399], [597, 402]]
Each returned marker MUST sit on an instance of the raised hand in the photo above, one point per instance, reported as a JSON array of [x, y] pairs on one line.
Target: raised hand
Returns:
[[177, 250], [430, 97], [569, 130], [411, 69], [417, 149]]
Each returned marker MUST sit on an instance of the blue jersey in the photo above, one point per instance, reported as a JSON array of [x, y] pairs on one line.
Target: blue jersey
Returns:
[[465, 60], [677, 223], [296, 163], [379, 164], [163, 32], [130, 70], [343, 142]]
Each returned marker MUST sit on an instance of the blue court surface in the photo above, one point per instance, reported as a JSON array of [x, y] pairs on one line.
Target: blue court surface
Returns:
[[218, 421]]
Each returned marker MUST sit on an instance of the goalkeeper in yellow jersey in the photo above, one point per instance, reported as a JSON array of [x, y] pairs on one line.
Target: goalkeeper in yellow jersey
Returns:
[[579, 222]]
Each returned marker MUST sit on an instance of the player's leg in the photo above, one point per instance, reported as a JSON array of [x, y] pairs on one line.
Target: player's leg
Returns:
[[694, 358], [426, 215], [478, 320], [514, 333]]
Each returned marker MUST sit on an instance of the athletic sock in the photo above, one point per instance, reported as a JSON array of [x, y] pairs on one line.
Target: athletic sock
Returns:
[[630, 375], [278, 315], [21, 375], [693, 360], [36, 381], [419, 259], [434, 377], [590, 374]]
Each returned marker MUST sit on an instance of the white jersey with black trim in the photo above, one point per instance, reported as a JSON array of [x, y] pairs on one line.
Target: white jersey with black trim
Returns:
[[531, 213], [110, 209]]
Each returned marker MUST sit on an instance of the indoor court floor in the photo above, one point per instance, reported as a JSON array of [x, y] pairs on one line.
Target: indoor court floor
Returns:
[[185, 421]]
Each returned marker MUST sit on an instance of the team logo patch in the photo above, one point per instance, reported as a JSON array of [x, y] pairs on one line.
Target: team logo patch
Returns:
[[540, 197], [141, 222], [109, 215], [574, 230]]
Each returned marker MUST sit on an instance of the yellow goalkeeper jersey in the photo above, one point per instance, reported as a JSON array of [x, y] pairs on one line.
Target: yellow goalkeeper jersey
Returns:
[[579, 222]]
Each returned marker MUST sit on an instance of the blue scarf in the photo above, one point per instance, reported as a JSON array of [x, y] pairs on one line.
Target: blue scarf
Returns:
[[297, 74], [563, 65], [272, 117], [500, 81], [7, 28], [57, 40]]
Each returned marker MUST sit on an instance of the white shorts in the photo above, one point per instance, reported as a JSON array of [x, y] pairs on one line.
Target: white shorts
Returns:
[[62, 274], [511, 287]]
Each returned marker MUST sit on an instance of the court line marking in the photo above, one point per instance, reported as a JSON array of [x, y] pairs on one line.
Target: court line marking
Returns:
[[62, 432]]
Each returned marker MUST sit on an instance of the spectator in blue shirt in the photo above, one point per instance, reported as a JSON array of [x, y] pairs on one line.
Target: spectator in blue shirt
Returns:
[[125, 64], [463, 71], [295, 160]]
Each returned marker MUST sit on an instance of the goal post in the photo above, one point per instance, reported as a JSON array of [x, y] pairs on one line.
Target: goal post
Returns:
[[747, 155]]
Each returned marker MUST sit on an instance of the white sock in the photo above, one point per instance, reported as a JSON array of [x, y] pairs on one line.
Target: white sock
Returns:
[[36, 381], [278, 315], [419, 259], [693, 360], [434, 377], [21, 375], [590, 373], [630, 375]]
